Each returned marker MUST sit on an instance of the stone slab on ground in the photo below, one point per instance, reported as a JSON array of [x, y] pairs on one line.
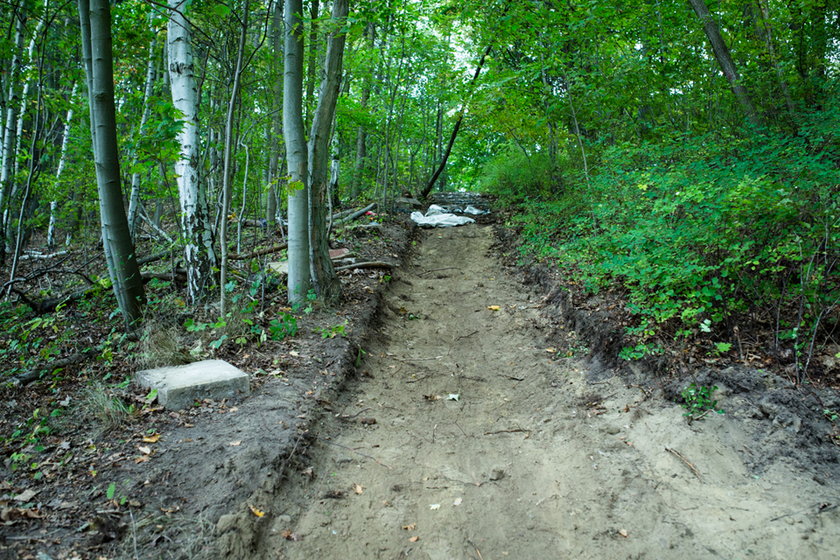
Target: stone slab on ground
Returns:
[[180, 386]]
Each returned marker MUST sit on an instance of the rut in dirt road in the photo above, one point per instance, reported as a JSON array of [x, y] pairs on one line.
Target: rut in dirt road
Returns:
[[466, 437]]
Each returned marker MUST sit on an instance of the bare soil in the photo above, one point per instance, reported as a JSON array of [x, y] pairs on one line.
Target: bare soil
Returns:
[[476, 429], [473, 411]]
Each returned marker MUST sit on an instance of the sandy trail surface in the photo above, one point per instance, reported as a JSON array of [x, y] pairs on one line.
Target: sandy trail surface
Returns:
[[464, 436]]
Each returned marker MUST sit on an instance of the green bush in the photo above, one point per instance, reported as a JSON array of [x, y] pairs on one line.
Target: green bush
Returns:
[[699, 230]]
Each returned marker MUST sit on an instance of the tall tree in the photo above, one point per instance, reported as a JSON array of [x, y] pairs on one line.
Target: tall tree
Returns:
[[8, 141], [457, 127], [296, 154], [95, 20], [324, 279], [727, 65], [227, 157], [199, 254]]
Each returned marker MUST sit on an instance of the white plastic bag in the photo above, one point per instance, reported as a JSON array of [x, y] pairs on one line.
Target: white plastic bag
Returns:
[[439, 220]]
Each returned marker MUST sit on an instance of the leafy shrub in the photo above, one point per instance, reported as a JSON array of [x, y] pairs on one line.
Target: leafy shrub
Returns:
[[700, 230]]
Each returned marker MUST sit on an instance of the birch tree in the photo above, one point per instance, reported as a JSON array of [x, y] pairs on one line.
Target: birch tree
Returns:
[[62, 159], [199, 254], [8, 146]]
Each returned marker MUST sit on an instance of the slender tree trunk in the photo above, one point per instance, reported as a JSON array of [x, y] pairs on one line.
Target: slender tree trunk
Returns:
[[431, 184], [198, 241], [36, 133], [766, 32], [576, 125], [725, 60], [244, 206], [95, 19], [361, 132], [296, 154], [8, 156], [312, 61], [324, 279], [227, 159], [276, 132], [134, 197], [21, 117]]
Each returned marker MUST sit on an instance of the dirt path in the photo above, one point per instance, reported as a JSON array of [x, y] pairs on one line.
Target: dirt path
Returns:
[[486, 446]]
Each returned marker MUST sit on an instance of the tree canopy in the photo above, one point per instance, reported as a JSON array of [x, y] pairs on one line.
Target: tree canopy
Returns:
[[687, 150]]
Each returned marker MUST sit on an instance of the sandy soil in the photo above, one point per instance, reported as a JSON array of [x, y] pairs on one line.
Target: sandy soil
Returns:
[[467, 435]]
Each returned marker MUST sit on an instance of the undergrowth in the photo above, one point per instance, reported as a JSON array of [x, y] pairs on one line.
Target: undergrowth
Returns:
[[707, 234]]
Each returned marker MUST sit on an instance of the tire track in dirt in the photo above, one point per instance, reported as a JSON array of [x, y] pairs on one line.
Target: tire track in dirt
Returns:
[[525, 459]]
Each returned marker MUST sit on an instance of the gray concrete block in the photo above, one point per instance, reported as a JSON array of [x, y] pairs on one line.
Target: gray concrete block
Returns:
[[179, 386]]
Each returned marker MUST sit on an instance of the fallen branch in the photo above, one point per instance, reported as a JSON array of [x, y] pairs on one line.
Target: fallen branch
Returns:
[[35, 255], [35, 372], [687, 463], [512, 431], [343, 213], [368, 264], [258, 252], [153, 258], [49, 304], [154, 227], [179, 274], [355, 214], [365, 455]]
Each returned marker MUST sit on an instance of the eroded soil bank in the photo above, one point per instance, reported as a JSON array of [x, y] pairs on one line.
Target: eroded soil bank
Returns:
[[467, 435]]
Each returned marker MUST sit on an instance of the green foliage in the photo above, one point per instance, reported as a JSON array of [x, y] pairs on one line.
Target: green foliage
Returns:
[[639, 351], [285, 325], [699, 401], [333, 331], [513, 176], [700, 230]]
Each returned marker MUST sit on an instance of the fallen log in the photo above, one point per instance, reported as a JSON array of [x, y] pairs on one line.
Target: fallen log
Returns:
[[48, 305], [153, 258], [39, 255], [258, 252], [179, 274], [354, 215], [36, 372]]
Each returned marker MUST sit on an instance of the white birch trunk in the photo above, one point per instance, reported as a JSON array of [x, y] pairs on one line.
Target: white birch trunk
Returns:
[[198, 242], [24, 95], [60, 169], [8, 156]]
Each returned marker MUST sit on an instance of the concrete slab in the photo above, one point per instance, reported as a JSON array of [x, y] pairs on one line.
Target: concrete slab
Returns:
[[179, 386], [280, 267]]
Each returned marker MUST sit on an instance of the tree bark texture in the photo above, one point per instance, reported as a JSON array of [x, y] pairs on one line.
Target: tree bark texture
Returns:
[[134, 197], [95, 17], [324, 279], [8, 146], [199, 255], [296, 154], [226, 160], [276, 132]]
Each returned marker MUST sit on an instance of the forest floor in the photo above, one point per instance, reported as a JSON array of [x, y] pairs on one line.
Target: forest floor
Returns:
[[475, 431], [463, 414]]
